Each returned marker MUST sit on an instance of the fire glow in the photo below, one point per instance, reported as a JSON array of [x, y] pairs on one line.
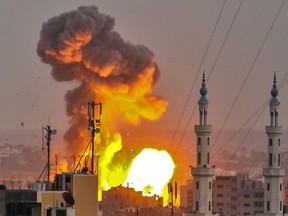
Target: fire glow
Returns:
[[150, 172], [81, 45]]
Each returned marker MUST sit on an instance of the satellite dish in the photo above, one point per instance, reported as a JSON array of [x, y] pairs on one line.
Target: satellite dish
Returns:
[[68, 198], [54, 132]]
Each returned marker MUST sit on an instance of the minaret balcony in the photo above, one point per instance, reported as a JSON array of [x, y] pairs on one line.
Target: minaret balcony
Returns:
[[276, 172], [203, 171], [273, 129], [203, 128]]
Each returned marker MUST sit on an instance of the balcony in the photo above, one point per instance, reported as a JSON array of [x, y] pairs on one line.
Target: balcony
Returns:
[[203, 128], [273, 129], [203, 171], [278, 172]]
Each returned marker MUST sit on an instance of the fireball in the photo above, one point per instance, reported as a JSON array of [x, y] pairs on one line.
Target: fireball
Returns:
[[150, 172]]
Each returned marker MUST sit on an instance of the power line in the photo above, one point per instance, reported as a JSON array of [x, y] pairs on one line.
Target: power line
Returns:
[[223, 43], [248, 74], [243, 140], [282, 84], [198, 71], [262, 108], [238, 131]]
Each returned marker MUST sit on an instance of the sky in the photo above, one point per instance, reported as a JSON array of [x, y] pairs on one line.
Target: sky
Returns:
[[178, 33]]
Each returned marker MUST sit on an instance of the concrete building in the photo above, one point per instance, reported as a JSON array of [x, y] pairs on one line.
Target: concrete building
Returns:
[[125, 201], [237, 196], [7, 150], [82, 189], [232, 195], [186, 196]]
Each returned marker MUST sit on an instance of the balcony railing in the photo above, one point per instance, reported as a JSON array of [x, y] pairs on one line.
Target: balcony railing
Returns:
[[274, 129], [203, 171], [203, 128], [273, 172]]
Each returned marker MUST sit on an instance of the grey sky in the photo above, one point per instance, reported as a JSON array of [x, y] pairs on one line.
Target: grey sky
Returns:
[[178, 33]]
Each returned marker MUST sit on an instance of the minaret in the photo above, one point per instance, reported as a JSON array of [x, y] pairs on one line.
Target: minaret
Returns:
[[203, 172], [273, 200]]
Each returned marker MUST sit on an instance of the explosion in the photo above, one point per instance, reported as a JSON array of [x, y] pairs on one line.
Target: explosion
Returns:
[[144, 172], [81, 45]]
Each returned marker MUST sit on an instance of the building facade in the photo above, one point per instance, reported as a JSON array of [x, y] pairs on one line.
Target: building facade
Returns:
[[237, 196], [125, 201]]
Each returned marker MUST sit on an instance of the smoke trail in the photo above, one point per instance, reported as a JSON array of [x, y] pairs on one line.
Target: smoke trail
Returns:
[[82, 45]]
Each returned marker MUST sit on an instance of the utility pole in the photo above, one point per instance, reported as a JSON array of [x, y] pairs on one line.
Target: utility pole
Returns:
[[94, 127]]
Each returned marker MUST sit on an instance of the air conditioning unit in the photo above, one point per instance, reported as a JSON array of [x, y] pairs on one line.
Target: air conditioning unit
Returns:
[[60, 211]]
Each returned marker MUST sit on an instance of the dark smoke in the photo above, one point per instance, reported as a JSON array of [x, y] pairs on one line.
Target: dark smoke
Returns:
[[82, 45]]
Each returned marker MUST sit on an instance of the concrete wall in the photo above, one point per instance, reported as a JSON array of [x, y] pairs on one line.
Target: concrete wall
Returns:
[[85, 193], [49, 199]]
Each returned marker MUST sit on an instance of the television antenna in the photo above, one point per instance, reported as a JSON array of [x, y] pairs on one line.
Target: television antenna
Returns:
[[94, 123], [46, 143]]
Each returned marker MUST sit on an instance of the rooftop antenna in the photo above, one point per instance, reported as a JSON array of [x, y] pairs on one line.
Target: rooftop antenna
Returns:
[[12, 182], [19, 183], [93, 126], [46, 140]]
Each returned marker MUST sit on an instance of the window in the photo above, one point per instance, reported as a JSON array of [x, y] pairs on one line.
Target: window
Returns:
[[268, 206], [199, 141], [270, 159], [209, 207], [258, 194], [208, 158], [278, 142], [220, 186], [280, 205], [270, 142], [278, 159], [210, 185], [197, 206], [199, 158], [197, 185], [268, 186], [258, 204], [280, 187], [68, 179], [208, 141]]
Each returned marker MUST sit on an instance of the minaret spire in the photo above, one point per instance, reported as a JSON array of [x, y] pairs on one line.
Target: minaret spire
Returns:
[[203, 172], [203, 102]]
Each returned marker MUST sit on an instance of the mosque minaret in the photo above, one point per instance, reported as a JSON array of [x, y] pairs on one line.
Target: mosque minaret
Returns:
[[273, 173], [203, 172]]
